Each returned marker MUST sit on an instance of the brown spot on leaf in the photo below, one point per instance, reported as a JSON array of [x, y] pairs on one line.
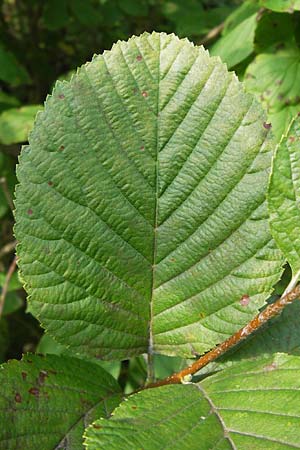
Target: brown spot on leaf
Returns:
[[34, 391], [61, 96], [134, 407], [139, 58], [292, 138], [267, 126], [145, 94], [278, 82], [42, 376], [24, 375], [96, 426], [18, 398], [245, 300], [142, 148], [50, 183], [29, 212], [270, 367], [61, 147]]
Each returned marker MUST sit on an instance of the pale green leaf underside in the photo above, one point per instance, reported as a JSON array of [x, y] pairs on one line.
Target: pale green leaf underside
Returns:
[[253, 406], [141, 209], [47, 402], [284, 196]]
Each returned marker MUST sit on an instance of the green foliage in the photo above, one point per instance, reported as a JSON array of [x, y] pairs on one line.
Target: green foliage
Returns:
[[252, 406], [284, 195], [263, 47], [50, 400], [11, 70], [238, 43], [161, 224], [16, 123], [143, 225], [281, 5]]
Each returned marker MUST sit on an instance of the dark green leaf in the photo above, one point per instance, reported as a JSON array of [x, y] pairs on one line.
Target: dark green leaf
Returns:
[[46, 402]]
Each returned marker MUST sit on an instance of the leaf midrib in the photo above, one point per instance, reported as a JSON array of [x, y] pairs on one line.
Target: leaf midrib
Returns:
[[150, 344]]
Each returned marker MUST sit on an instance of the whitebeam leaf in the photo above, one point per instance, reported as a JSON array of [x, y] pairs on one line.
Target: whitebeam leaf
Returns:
[[284, 196], [47, 402], [141, 210], [255, 405]]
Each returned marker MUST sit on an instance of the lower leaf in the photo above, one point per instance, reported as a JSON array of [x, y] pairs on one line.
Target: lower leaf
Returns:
[[255, 405], [46, 402]]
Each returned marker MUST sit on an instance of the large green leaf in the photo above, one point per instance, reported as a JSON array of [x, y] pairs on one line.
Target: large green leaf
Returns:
[[141, 210], [255, 405], [284, 196], [46, 402], [274, 78], [238, 43]]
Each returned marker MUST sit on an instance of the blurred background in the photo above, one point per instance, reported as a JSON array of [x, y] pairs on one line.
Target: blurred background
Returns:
[[45, 40]]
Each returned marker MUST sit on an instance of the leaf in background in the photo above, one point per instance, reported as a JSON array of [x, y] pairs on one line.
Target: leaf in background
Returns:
[[281, 5], [47, 345], [275, 31], [55, 15], [274, 78], [284, 196], [11, 71], [188, 16], [237, 44], [13, 301], [4, 338], [7, 171], [134, 7], [14, 283], [7, 101], [46, 402], [152, 157], [85, 12], [243, 12], [252, 406], [16, 123]]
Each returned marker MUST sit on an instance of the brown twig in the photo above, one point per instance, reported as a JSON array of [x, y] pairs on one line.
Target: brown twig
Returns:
[[212, 34], [6, 192], [9, 274], [269, 312], [9, 247]]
